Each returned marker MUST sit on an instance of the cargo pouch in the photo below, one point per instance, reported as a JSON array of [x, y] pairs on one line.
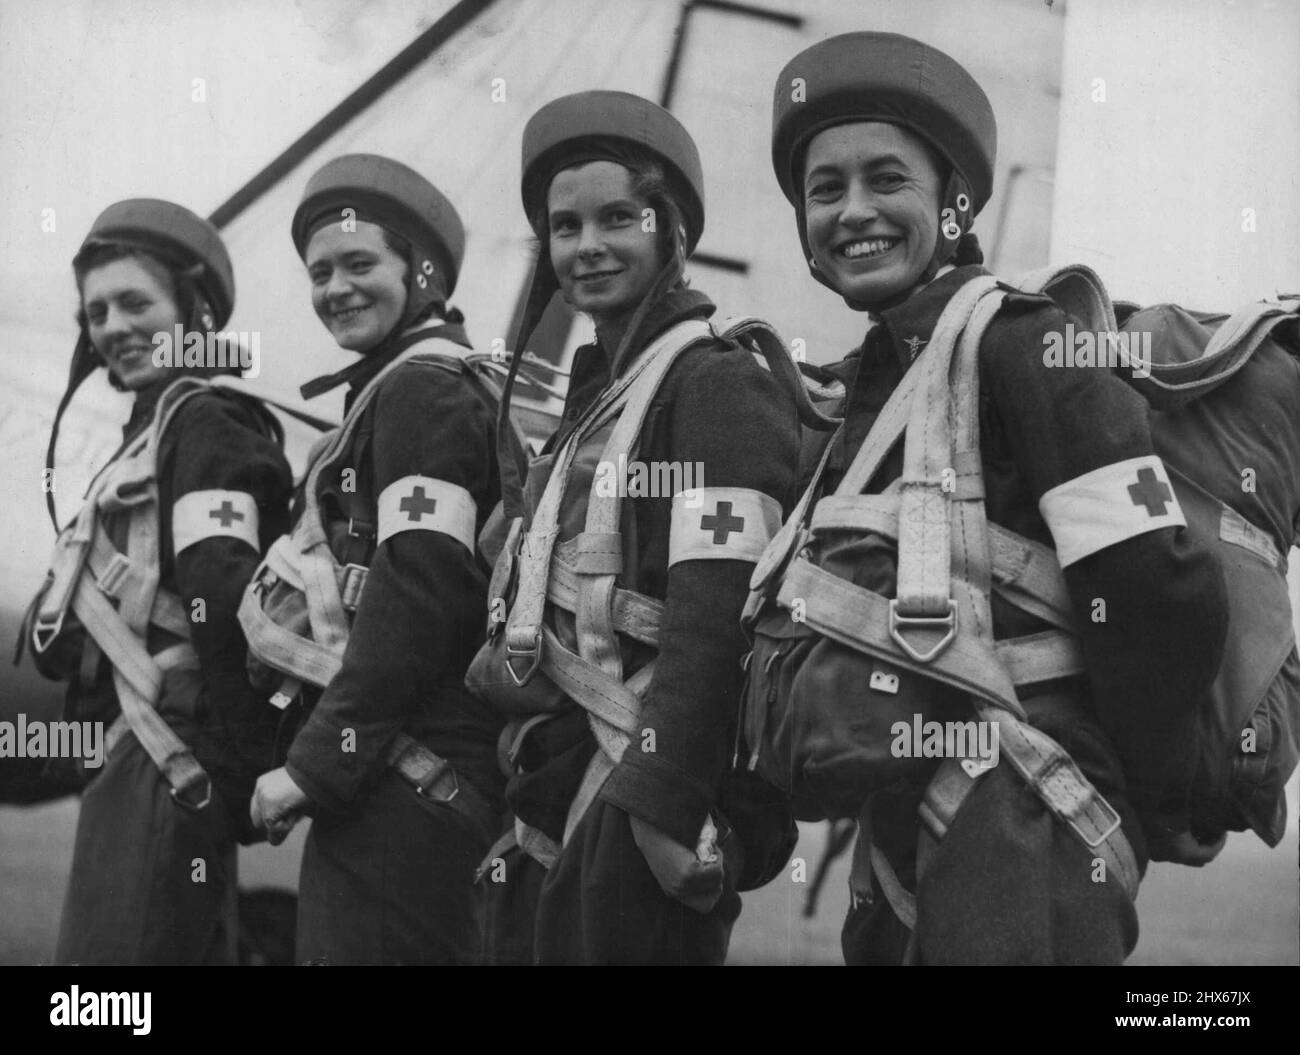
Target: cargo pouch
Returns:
[[837, 664]]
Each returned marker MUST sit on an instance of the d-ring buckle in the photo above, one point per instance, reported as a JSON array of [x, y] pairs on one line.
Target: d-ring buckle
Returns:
[[512, 653], [898, 623]]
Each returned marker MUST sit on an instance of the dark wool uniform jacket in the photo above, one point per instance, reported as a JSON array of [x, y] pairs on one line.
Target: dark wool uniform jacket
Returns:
[[1151, 660], [217, 440], [718, 407], [421, 615]]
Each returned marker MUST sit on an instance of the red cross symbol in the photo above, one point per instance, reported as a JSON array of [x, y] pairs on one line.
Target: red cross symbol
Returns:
[[1150, 491], [416, 504], [226, 514], [722, 523]]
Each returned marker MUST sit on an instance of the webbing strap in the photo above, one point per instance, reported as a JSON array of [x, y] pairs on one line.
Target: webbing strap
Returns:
[[1053, 775], [1025, 572], [138, 678], [634, 614], [523, 626], [304, 560], [860, 619], [1077, 290]]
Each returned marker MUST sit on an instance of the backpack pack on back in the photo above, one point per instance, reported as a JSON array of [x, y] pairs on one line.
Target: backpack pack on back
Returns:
[[835, 666], [1224, 398]]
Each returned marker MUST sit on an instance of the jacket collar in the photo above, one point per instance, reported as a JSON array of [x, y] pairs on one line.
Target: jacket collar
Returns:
[[908, 326], [592, 370]]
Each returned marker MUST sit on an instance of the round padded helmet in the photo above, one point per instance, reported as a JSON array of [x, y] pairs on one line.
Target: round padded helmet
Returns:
[[175, 235], [392, 195], [890, 78], [571, 130]]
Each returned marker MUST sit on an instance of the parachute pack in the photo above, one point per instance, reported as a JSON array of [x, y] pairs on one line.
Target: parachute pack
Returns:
[[834, 666]]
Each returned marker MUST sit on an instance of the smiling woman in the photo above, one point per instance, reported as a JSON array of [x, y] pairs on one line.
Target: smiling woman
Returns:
[[187, 501]]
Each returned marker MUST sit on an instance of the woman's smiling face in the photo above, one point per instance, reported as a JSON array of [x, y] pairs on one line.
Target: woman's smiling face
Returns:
[[127, 301], [358, 284], [871, 201], [604, 258]]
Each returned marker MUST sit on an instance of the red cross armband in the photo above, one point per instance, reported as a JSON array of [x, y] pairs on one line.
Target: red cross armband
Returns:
[[422, 503], [1109, 505], [213, 514], [721, 523]]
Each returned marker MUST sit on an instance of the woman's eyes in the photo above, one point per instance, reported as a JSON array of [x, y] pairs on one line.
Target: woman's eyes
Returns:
[[97, 312], [829, 189], [825, 190]]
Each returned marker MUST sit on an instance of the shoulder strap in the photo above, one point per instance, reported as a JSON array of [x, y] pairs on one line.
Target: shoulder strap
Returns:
[[1077, 291], [782, 364], [523, 627]]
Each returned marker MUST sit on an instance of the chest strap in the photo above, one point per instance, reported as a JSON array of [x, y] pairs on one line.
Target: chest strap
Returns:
[[950, 560]]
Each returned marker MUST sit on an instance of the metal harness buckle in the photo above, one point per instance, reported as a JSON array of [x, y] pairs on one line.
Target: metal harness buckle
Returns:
[[898, 622], [1093, 798], [118, 568], [203, 780], [535, 652], [44, 631], [426, 793], [354, 580]]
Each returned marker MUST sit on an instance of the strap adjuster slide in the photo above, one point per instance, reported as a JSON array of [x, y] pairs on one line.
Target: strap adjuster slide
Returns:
[[898, 623], [1092, 800], [354, 580], [112, 576]]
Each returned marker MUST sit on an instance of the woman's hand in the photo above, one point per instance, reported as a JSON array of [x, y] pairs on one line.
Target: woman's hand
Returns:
[[693, 877], [277, 804]]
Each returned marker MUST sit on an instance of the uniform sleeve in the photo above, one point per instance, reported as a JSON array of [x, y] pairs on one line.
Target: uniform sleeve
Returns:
[[226, 488], [1082, 438], [425, 595], [731, 416]]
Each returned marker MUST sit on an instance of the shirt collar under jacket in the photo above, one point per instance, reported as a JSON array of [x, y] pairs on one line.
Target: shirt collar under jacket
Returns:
[[591, 367], [364, 370]]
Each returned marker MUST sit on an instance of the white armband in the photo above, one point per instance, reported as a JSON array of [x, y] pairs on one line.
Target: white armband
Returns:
[[721, 523], [1109, 505], [421, 503], [211, 514]]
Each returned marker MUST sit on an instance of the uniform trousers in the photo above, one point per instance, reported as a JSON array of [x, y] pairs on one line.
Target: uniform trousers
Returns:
[[1008, 883], [391, 881], [152, 882]]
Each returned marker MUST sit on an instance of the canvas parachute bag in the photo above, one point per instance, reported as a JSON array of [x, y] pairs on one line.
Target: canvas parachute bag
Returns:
[[835, 665], [1224, 397], [116, 597], [568, 624], [297, 610]]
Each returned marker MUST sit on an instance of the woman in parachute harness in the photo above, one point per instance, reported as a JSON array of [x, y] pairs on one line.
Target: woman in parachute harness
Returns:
[[362, 621], [614, 645], [139, 610], [873, 615]]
